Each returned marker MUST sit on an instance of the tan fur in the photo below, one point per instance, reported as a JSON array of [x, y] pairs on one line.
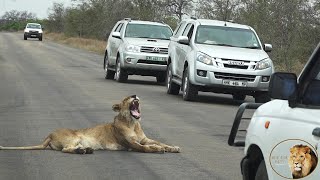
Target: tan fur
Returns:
[[302, 161], [125, 133]]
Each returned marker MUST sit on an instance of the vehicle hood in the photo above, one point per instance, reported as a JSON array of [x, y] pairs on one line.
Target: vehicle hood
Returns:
[[147, 42], [233, 52], [280, 110], [31, 29]]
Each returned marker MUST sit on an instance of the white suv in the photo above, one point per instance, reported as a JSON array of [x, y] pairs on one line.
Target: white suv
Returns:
[[283, 137], [33, 30], [220, 57], [137, 47]]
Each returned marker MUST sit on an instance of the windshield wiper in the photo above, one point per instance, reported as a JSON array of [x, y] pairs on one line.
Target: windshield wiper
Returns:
[[251, 47], [221, 44]]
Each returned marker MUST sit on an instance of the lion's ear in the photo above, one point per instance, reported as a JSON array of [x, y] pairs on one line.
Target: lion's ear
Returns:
[[307, 149], [116, 107]]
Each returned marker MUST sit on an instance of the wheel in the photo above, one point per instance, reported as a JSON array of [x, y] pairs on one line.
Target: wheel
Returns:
[[109, 73], [172, 88], [239, 97], [161, 77], [40, 38], [189, 90], [262, 97], [121, 75], [262, 172], [25, 37]]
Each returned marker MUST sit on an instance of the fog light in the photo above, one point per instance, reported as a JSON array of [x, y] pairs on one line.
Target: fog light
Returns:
[[265, 78], [202, 73], [129, 60]]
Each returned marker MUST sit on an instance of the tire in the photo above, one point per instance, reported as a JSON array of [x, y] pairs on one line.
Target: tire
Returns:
[[40, 38], [109, 73], [262, 97], [239, 97], [161, 78], [189, 91], [121, 75], [262, 172], [25, 37], [172, 88]]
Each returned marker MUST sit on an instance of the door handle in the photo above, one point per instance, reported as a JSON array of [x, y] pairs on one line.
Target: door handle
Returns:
[[316, 132]]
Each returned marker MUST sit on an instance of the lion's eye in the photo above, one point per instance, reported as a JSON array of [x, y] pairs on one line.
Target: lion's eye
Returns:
[[294, 156], [301, 156]]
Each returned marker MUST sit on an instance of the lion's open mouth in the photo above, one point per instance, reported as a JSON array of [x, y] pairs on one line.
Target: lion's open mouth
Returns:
[[134, 109]]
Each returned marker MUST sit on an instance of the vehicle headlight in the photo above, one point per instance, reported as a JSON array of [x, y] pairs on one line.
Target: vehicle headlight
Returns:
[[132, 48], [201, 57], [264, 64]]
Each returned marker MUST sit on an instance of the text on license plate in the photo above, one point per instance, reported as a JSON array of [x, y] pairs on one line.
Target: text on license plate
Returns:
[[234, 83], [153, 58]]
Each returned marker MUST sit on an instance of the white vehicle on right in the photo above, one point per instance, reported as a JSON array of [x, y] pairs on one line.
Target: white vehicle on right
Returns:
[[283, 136]]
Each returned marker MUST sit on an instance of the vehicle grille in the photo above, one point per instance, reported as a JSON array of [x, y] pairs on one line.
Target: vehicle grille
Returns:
[[152, 62], [237, 77], [149, 49]]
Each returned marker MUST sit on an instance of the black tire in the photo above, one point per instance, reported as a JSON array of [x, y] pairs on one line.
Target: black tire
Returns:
[[189, 91], [262, 172], [121, 75], [25, 37], [172, 88], [161, 78], [239, 97], [109, 73], [262, 97], [40, 38]]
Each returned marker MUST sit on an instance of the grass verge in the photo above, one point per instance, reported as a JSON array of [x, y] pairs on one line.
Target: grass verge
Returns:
[[93, 45]]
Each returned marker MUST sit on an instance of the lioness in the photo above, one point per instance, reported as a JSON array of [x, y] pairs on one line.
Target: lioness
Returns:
[[125, 133], [302, 161]]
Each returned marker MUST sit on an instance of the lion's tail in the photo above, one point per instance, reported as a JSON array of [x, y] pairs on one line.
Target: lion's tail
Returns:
[[38, 147]]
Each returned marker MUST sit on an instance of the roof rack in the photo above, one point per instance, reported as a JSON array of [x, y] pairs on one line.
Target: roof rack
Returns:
[[194, 18], [127, 19]]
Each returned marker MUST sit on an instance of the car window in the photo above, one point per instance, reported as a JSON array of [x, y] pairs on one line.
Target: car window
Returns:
[[34, 26], [178, 30], [118, 29], [227, 36], [186, 30], [190, 32], [148, 31]]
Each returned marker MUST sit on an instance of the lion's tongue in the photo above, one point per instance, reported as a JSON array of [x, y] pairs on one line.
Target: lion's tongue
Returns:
[[135, 113]]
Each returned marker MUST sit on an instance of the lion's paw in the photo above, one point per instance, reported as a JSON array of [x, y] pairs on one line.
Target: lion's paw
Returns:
[[175, 149], [157, 148]]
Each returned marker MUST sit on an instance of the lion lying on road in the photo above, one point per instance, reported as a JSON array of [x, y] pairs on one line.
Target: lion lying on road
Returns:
[[125, 133], [302, 161]]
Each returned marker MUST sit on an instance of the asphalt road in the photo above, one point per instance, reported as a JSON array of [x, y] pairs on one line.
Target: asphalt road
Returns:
[[45, 86]]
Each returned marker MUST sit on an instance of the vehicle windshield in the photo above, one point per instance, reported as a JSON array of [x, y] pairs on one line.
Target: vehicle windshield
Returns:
[[148, 31], [227, 36], [34, 26]]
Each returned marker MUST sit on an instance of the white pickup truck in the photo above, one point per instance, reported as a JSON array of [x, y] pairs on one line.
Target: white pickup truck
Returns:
[[283, 136]]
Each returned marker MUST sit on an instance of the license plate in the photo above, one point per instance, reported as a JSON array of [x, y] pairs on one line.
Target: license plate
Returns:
[[234, 83], [153, 58]]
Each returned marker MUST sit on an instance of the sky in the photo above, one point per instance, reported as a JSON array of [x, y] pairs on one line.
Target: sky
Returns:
[[39, 7]]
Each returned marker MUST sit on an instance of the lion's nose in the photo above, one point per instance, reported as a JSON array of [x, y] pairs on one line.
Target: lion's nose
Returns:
[[296, 163]]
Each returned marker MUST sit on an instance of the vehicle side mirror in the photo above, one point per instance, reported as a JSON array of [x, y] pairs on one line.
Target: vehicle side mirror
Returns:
[[267, 47], [183, 40], [116, 35], [283, 86]]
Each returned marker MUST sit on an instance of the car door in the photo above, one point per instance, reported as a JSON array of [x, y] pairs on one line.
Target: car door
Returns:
[[173, 46], [296, 128], [184, 49], [114, 44]]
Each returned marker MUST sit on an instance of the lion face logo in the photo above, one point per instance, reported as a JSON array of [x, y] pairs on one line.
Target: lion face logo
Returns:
[[302, 161], [129, 108]]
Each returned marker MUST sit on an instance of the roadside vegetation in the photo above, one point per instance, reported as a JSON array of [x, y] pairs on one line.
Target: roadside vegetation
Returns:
[[292, 27]]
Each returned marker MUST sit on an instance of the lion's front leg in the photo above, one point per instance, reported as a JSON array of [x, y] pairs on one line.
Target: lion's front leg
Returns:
[[167, 148], [150, 148]]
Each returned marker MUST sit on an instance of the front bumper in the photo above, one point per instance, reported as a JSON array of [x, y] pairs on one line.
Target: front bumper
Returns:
[[33, 34], [255, 80], [138, 61]]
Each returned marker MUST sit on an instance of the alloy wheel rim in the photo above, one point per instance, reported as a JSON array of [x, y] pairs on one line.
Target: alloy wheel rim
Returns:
[[168, 78], [185, 85]]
